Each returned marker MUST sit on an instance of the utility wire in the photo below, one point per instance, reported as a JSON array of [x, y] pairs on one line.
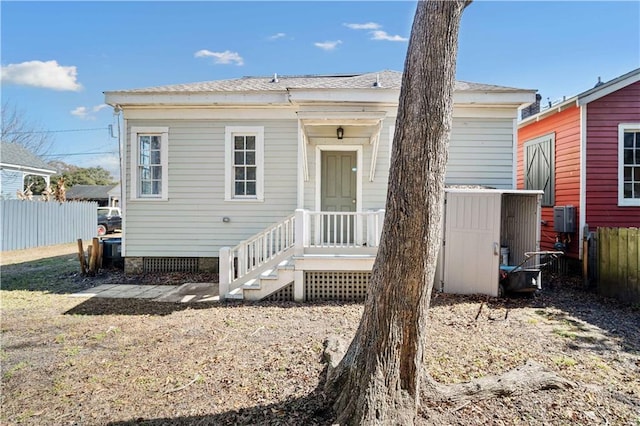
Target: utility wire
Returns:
[[59, 131], [79, 153]]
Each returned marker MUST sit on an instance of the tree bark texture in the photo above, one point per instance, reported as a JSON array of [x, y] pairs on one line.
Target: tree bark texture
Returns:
[[378, 380], [530, 377]]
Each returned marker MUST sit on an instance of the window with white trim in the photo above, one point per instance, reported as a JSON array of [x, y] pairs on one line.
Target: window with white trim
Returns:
[[244, 165], [149, 163], [629, 164]]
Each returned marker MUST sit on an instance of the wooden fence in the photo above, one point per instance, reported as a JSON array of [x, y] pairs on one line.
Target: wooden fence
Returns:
[[27, 224], [618, 261]]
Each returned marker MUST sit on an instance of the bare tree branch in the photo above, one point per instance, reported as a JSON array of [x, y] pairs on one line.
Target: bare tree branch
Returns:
[[16, 128]]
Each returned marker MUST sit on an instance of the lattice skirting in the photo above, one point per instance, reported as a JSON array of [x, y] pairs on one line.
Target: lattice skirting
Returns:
[[170, 264], [285, 294], [341, 286]]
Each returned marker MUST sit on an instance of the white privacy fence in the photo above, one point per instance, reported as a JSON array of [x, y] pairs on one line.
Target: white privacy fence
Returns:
[[27, 224]]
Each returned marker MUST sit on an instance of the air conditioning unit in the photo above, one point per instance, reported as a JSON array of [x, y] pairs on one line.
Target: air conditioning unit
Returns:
[[564, 218]]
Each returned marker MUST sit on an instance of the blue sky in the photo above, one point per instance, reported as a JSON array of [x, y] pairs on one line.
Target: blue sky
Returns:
[[59, 57]]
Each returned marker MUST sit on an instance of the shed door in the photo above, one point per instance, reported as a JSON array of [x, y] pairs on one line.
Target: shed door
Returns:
[[472, 243], [338, 194]]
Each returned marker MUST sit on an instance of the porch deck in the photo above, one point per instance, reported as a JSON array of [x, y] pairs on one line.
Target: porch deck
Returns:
[[303, 242]]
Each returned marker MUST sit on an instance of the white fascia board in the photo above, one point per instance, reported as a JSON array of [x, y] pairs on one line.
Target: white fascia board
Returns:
[[19, 168], [518, 99], [219, 98], [530, 192], [484, 111], [374, 95], [339, 115], [210, 113], [608, 88], [549, 111]]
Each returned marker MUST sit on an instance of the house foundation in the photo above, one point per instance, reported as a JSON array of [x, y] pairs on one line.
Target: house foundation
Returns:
[[139, 265]]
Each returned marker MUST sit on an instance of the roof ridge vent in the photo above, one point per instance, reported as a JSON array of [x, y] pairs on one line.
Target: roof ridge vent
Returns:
[[377, 82], [275, 77]]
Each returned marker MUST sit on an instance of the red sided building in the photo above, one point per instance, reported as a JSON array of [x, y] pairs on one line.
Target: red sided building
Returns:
[[584, 153]]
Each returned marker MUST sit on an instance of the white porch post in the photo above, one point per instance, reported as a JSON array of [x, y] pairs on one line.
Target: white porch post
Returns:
[[225, 272], [242, 259], [298, 285], [379, 224], [301, 239], [302, 229]]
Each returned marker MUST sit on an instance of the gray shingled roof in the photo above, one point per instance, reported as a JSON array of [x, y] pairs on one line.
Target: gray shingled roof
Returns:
[[89, 192], [386, 79], [17, 155]]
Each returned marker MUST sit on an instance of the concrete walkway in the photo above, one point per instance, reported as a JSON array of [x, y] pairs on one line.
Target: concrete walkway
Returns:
[[185, 293]]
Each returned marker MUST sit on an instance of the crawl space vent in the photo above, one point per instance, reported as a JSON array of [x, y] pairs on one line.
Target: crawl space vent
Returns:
[[170, 264]]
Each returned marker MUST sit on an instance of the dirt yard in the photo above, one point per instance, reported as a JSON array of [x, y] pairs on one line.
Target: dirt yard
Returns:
[[70, 361]]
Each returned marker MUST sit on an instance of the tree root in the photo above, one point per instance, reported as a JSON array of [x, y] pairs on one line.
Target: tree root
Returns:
[[334, 350], [530, 377]]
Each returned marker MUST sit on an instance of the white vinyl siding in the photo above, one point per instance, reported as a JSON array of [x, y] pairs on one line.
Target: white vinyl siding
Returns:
[[149, 163], [481, 152], [244, 165], [10, 182], [190, 223], [629, 164]]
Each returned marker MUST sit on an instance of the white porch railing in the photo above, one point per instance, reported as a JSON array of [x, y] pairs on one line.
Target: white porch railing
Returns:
[[304, 229], [254, 252], [343, 229]]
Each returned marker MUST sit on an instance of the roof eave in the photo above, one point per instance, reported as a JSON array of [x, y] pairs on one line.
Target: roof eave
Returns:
[[573, 101], [379, 95], [609, 87], [196, 98], [19, 167], [516, 98]]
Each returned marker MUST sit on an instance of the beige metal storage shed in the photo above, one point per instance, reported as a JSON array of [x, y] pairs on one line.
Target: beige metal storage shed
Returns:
[[479, 225]]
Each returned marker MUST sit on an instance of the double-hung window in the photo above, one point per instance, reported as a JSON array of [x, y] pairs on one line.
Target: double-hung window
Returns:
[[149, 163], [539, 166], [629, 164], [244, 174]]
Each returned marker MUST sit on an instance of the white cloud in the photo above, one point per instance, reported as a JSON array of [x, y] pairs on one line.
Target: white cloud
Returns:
[[48, 75], [88, 113], [109, 162], [80, 112], [382, 35], [277, 36], [328, 45], [367, 26], [225, 57]]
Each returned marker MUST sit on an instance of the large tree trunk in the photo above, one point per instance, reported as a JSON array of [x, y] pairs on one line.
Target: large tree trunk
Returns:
[[378, 380]]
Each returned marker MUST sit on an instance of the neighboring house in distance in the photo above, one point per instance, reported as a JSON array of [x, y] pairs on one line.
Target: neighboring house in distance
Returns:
[[16, 163], [585, 152], [284, 173], [102, 194], [115, 194]]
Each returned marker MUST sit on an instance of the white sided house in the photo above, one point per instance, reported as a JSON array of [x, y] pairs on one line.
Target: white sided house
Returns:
[[280, 182]]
